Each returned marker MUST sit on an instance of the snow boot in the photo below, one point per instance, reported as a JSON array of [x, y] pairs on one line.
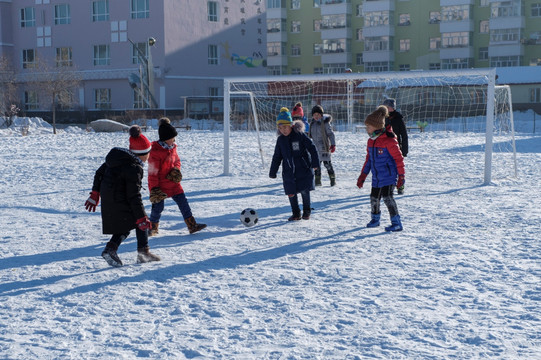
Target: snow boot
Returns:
[[110, 255], [333, 179], [193, 226], [306, 214], [144, 255], [154, 229], [375, 221], [396, 224], [296, 216], [318, 180]]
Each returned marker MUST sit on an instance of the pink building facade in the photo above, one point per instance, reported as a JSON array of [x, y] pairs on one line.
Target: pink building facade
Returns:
[[198, 43]]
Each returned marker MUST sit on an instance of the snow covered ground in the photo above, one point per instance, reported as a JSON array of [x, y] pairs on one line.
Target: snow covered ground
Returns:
[[462, 281]]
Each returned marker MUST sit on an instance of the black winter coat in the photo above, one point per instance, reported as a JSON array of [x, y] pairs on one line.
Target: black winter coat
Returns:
[[119, 181], [396, 121], [298, 156]]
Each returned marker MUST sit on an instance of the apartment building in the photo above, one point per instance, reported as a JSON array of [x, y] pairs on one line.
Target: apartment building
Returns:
[[328, 36], [190, 45]]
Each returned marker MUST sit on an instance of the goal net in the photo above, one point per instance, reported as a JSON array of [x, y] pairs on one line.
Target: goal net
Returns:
[[455, 101]]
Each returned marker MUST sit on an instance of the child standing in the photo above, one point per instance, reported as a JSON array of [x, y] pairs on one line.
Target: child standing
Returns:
[[386, 163], [298, 114], [118, 181], [298, 157], [164, 178], [323, 136]]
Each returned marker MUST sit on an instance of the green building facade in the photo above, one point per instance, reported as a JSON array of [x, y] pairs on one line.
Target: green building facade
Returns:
[[330, 36]]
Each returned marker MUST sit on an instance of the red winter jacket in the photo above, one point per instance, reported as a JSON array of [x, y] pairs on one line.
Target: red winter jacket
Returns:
[[160, 163]]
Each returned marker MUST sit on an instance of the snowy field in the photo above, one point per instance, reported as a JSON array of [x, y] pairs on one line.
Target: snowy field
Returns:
[[462, 281]]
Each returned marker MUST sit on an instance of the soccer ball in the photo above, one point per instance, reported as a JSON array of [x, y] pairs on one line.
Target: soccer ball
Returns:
[[248, 217]]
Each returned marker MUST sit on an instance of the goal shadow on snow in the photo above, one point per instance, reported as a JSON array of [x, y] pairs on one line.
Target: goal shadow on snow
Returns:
[[245, 258]]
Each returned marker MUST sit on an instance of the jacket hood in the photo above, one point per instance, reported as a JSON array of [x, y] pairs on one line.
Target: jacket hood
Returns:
[[120, 156]]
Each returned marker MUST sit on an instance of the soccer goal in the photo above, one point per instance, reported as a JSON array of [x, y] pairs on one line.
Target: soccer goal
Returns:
[[454, 100]]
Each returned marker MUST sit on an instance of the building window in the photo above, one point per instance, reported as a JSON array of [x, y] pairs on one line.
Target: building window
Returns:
[[505, 61], [484, 2], [214, 91], [317, 25], [62, 14], [435, 43], [31, 101], [28, 17], [359, 10], [274, 48], [337, 21], [100, 10], [404, 67], [456, 39], [137, 50], [536, 10], [334, 68], [295, 27], [359, 34], [102, 98], [377, 18], [295, 50], [455, 13], [449, 64], [275, 4], [434, 66], [484, 27], [318, 70], [140, 9], [404, 20], [275, 25], [63, 57], [483, 53], [295, 4], [213, 55], [505, 9], [102, 55], [275, 70], [434, 17], [318, 49], [29, 58], [535, 95], [212, 10], [359, 59], [404, 45], [504, 35], [332, 46], [378, 66], [377, 43], [295, 71]]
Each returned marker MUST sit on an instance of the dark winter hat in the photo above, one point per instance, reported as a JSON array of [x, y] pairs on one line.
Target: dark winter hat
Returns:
[[139, 144], [317, 109], [390, 103], [377, 117], [284, 117], [166, 131], [297, 111]]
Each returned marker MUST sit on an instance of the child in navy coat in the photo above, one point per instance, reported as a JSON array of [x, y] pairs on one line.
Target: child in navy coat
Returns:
[[298, 156], [385, 161]]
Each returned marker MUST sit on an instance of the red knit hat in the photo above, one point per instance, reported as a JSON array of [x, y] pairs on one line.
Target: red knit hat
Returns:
[[139, 144], [297, 111]]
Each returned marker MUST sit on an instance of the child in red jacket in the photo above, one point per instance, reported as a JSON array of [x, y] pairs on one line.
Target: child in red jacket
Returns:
[[385, 161], [164, 178]]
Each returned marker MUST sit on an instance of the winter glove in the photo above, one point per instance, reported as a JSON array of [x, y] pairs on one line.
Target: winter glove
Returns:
[[143, 223], [174, 175], [157, 195], [272, 176], [401, 181], [361, 179], [92, 201], [332, 148]]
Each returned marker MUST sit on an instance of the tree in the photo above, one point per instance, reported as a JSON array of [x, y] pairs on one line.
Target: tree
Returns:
[[8, 91], [56, 86]]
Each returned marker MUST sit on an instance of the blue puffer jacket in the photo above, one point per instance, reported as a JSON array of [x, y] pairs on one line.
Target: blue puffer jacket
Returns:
[[384, 160], [298, 157]]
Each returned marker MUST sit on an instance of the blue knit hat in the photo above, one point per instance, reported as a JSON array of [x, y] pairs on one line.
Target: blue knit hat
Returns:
[[284, 117]]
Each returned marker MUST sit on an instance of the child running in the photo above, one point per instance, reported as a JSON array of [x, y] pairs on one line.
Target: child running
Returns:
[[298, 157], [386, 163]]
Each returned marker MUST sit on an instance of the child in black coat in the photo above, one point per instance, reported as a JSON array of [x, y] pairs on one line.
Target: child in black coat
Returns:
[[118, 182]]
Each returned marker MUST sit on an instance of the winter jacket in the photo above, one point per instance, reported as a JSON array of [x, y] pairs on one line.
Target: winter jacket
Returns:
[[160, 163], [298, 156], [119, 181], [396, 122], [384, 160], [323, 136]]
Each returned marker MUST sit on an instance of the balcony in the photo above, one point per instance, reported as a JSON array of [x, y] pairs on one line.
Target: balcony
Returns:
[[380, 5], [378, 56], [457, 26], [456, 2], [335, 8], [462, 52]]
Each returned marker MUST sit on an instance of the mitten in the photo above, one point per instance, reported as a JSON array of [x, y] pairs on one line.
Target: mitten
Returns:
[[157, 195], [361, 179], [174, 175], [272, 176], [401, 181], [92, 201], [332, 148], [143, 223]]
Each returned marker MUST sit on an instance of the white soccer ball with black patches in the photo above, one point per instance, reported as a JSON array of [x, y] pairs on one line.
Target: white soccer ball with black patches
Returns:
[[248, 217]]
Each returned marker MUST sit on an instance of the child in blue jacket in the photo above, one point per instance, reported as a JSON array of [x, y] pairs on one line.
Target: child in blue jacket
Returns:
[[298, 156], [386, 163]]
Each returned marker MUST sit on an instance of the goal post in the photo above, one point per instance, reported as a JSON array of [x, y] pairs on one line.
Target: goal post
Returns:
[[448, 100]]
